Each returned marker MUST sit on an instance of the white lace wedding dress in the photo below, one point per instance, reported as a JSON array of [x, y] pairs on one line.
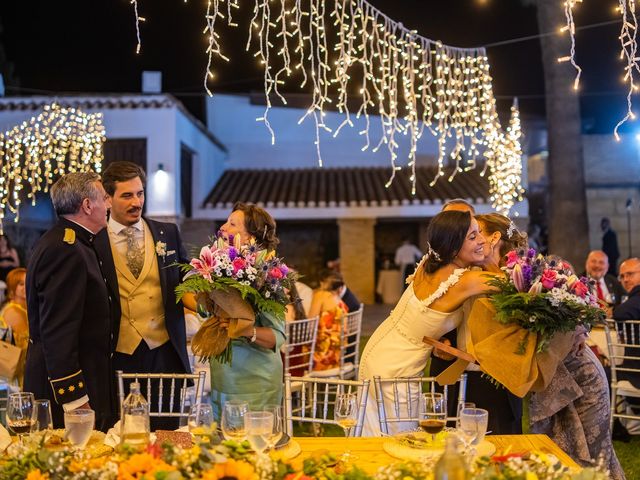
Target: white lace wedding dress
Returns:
[[396, 349]]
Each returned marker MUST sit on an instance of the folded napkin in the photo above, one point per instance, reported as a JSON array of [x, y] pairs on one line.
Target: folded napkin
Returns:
[[5, 438]]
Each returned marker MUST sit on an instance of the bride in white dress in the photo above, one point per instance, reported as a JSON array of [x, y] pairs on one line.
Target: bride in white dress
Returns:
[[430, 306]]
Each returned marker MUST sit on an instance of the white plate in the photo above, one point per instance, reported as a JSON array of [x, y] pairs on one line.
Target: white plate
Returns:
[[404, 452]]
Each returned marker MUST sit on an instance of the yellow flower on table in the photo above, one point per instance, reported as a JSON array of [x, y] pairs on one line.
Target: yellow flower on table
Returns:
[[37, 475], [231, 469], [142, 465]]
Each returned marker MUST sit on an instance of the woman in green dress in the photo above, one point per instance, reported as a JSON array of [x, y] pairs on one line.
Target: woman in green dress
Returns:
[[255, 374]]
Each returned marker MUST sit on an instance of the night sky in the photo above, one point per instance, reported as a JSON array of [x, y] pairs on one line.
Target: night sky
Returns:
[[89, 46]]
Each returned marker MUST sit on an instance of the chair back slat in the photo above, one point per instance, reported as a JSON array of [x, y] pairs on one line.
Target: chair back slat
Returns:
[[350, 343], [623, 345], [404, 406], [300, 344], [317, 399], [153, 384]]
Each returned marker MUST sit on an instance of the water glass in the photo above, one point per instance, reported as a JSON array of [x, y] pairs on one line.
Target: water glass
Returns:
[[200, 420], [462, 406], [78, 426], [433, 414], [42, 415], [232, 422], [259, 427], [473, 423], [278, 423], [20, 413]]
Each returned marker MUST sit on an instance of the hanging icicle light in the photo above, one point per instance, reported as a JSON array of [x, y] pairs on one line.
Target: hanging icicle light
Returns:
[[410, 82], [33, 154]]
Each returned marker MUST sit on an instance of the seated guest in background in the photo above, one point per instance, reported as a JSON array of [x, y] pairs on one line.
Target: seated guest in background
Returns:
[[295, 310], [13, 315], [347, 296], [607, 286], [8, 257], [305, 293], [630, 310], [329, 306]]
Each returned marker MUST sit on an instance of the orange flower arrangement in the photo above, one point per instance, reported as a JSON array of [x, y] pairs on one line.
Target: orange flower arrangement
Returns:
[[231, 469], [37, 475], [142, 465]]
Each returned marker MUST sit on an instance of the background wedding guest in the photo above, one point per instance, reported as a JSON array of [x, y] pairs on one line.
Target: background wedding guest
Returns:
[[328, 305], [70, 318], [305, 293], [406, 257], [610, 245], [137, 255], [607, 286], [348, 297], [8, 257], [13, 315], [459, 205], [630, 310], [295, 309]]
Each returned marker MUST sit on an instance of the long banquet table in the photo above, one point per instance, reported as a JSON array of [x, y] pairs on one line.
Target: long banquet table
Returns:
[[372, 456]]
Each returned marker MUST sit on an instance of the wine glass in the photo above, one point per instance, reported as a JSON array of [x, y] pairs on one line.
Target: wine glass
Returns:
[[433, 414], [200, 421], [259, 427], [473, 424], [42, 415], [345, 414], [277, 431], [78, 426], [20, 413], [232, 422]]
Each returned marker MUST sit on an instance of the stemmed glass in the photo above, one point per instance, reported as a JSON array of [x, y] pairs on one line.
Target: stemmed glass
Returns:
[[473, 426], [200, 421], [277, 431], [42, 421], [345, 414], [433, 414], [462, 406], [232, 422], [20, 413], [259, 427]]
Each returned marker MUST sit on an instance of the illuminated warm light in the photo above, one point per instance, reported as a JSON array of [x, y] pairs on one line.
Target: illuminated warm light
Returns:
[[412, 83], [629, 51], [59, 140]]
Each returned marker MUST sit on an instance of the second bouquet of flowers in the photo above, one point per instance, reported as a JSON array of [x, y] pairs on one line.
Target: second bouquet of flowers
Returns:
[[543, 296], [233, 282]]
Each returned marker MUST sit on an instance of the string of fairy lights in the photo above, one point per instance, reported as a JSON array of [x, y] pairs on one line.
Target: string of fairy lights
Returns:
[[628, 51], [35, 153], [411, 83]]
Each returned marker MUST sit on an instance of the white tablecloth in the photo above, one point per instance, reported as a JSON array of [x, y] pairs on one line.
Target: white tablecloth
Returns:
[[390, 286]]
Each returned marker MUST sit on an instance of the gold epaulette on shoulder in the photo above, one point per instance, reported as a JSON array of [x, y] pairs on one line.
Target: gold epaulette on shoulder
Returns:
[[69, 236], [69, 388]]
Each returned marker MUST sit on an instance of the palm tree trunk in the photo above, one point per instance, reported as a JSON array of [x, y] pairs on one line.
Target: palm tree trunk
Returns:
[[567, 207]]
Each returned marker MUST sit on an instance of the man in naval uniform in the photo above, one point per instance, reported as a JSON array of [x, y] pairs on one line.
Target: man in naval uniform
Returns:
[[138, 254], [72, 333]]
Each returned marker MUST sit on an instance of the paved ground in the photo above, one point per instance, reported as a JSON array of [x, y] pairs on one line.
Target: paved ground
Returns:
[[373, 316]]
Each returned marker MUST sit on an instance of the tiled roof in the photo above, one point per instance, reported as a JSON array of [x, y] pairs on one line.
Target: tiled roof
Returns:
[[342, 187], [89, 102]]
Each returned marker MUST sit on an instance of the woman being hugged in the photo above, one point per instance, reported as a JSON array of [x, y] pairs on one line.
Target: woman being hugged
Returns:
[[255, 373], [430, 306]]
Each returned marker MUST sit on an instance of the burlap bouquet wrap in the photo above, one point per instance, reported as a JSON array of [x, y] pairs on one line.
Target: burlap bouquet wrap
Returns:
[[212, 339], [495, 346]]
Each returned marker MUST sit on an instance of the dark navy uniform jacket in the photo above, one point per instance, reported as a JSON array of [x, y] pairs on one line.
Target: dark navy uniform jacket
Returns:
[[71, 324]]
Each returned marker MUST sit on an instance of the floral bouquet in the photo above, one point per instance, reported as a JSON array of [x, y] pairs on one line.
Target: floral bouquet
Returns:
[[235, 282], [543, 295]]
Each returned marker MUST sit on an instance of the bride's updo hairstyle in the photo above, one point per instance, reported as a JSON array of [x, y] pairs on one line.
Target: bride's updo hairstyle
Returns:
[[446, 233], [512, 238], [259, 224]]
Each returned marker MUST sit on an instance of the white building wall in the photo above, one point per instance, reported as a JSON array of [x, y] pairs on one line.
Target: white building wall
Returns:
[[232, 119]]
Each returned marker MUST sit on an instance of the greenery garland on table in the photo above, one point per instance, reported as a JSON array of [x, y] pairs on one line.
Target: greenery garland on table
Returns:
[[229, 460]]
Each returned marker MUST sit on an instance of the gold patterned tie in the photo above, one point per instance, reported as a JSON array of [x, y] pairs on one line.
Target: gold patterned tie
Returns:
[[135, 254]]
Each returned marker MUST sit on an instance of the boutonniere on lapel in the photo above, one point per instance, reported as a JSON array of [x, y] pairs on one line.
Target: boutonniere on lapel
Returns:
[[161, 250]]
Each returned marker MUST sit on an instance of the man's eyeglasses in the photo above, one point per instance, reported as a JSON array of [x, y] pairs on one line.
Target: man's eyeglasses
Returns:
[[624, 275]]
